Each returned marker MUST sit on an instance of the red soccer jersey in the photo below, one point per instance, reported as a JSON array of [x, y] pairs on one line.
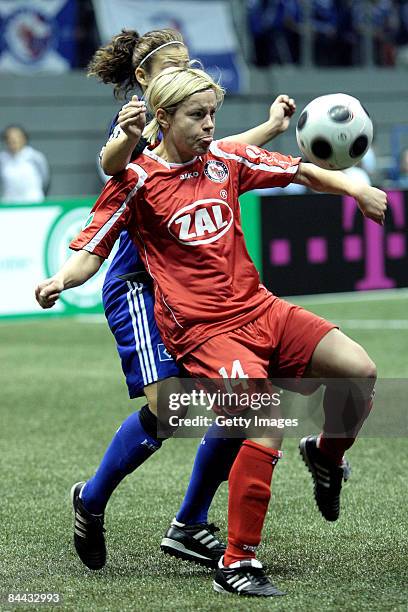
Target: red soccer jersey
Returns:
[[185, 220]]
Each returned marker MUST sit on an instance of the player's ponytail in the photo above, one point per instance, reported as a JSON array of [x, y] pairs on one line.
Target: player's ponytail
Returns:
[[152, 131], [113, 63], [117, 61]]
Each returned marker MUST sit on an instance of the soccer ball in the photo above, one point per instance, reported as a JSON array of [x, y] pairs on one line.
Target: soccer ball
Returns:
[[334, 131]]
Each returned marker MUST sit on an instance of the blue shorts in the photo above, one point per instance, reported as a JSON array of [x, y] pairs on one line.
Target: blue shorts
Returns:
[[129, 310]]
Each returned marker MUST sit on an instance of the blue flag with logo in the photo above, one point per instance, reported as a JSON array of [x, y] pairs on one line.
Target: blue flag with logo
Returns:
[[37, 35]]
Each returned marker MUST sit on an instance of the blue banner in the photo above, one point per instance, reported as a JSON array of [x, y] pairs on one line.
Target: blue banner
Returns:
[[37, 35]]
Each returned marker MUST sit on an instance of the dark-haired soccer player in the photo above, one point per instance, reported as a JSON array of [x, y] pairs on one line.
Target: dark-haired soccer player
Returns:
[[129, 61]]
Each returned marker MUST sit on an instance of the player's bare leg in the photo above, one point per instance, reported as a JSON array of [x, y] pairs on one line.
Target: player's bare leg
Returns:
[[351, 376]]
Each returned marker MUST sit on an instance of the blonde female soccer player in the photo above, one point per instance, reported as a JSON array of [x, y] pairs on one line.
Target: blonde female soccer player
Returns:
[[212, 311]]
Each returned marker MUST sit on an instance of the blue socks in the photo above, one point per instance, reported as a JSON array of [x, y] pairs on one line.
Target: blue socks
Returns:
[[212, 465], [130, 447]]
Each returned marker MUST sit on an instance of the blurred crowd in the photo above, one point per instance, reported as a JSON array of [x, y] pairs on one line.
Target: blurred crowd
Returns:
[[337, 29], [332, 33]]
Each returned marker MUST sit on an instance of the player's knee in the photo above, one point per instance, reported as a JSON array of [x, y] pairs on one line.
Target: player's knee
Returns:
[[150, 392], [366, 368], [157, 427], [371, 369], [159, 395], [357, 363]]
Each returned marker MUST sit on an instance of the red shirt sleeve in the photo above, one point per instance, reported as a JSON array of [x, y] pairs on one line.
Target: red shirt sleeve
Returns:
[[110, 214], [258, 168]]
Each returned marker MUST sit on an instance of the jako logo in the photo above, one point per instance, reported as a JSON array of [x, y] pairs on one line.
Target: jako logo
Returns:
[[202, 222], [189, 175]]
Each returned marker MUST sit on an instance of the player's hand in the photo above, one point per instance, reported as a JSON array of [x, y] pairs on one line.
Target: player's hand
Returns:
[[132, 118], [373, 203], [281, 111], [48, 292]]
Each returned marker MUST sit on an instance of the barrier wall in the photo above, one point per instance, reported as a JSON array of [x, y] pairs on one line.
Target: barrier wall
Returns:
[[321, 243], [77, 111], [300, 244], [34, 243]]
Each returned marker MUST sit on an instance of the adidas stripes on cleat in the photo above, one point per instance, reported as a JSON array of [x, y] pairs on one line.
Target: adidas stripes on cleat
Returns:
[[89, 539], [244, 578], [327, 478], [195, 543], [346, 467]]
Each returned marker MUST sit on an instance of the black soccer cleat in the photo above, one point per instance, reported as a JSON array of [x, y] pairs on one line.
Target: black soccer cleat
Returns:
[[244, 578], [89, 539], [327, 478], [195, 543]]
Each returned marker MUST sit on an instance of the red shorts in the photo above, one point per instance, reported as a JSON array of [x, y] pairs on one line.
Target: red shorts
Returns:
[[278, 344]]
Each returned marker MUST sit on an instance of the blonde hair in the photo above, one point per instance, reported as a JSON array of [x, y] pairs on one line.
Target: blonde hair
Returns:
[[170, 88]]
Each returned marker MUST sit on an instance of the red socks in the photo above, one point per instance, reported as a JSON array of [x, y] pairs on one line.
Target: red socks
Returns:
[[249, 493], [334, 448]]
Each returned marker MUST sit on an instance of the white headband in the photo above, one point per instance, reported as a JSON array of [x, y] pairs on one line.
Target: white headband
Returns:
[[171, 42]]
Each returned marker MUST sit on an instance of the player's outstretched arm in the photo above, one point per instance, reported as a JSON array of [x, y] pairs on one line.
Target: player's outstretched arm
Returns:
[[79, 268], [371, 201], [117, 152], [280, 114]]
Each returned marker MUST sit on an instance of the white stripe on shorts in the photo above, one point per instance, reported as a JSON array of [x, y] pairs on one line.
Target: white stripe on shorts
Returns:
[[141, 332], [135, 330], [149, 353]]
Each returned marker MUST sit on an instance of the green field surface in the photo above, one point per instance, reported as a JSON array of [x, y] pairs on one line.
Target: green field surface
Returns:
[[62, 398]]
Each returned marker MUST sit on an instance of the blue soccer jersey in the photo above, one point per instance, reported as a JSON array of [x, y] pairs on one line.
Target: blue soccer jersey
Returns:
[[128, 302]]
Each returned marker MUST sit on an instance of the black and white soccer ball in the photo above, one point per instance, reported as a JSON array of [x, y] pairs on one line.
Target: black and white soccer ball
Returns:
[[334, 131]]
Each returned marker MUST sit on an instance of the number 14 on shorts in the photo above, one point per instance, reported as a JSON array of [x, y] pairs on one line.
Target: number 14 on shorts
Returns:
[[236, 377]]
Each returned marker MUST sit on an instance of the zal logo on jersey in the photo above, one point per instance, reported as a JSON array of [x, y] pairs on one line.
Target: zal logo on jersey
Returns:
[[201, 222]]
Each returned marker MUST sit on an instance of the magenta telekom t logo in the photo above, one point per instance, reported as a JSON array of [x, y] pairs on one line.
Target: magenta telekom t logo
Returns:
[[375, 246]]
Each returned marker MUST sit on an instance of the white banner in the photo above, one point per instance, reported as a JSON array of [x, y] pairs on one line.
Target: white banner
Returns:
[[33, 246], [207, 29]]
